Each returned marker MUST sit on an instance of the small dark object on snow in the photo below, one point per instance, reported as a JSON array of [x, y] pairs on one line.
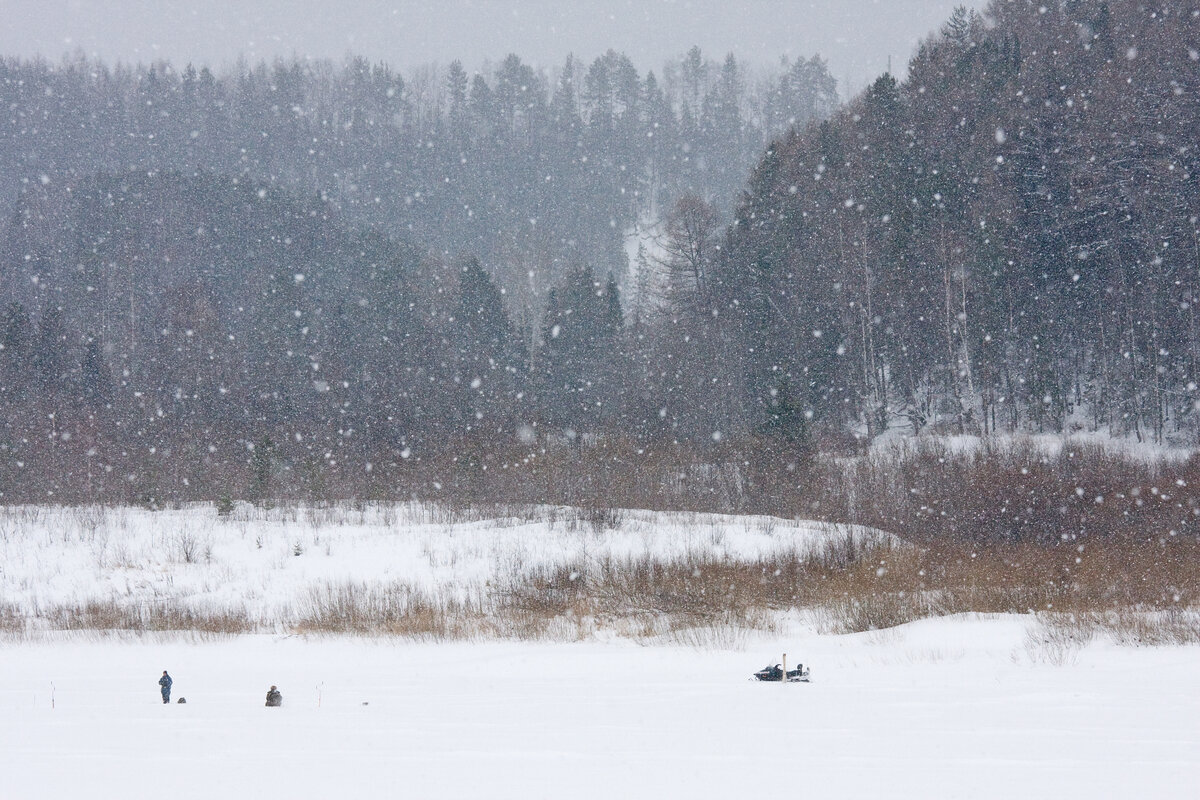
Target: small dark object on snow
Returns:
[[181, 700], [775, 673], [274, 698]]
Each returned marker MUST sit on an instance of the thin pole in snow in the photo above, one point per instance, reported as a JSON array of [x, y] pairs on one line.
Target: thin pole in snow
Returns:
[[319, 685], [51, 694], [784, 679]]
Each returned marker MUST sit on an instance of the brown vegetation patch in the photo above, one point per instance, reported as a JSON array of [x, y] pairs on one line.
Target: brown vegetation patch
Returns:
[[158, 618]]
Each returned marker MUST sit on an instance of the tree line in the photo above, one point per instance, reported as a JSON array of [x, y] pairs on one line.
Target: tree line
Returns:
[[320, 268], [1007, 240], [532, 170], [201, 334]]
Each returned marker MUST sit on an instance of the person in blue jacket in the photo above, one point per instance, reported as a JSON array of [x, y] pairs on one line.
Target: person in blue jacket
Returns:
[[165, 683]]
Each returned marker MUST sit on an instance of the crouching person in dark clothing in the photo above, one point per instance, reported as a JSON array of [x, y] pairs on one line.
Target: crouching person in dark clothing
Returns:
[[274, 698], [165, 683]]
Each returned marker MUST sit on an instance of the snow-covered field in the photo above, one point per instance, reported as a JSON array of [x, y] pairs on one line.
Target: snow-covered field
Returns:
[[944, 708], [266, 562], [971, 707]]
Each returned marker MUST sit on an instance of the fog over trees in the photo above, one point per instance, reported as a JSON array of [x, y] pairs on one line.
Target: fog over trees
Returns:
[[1008, 240], [340, 255], [337, 279]]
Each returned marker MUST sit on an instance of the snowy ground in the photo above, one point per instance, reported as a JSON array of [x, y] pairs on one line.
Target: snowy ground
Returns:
[[267, 562], [938, 709], [952, 707]]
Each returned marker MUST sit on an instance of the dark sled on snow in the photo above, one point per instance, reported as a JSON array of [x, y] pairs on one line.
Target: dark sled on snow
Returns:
[[775, 673]]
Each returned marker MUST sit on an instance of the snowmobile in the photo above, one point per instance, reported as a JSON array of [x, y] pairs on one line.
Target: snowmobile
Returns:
[[775, 673]]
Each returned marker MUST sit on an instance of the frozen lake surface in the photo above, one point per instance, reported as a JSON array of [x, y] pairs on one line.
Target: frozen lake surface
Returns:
[[957, 707]]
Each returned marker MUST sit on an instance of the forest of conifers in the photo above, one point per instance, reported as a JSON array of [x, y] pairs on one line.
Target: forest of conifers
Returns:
[[302, 278]]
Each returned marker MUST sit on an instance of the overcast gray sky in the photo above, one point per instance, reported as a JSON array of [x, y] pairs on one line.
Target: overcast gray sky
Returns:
[[856, 36]]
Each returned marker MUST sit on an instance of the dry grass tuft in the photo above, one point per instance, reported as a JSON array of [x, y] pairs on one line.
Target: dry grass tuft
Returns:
[[396, 609], [13, 622]]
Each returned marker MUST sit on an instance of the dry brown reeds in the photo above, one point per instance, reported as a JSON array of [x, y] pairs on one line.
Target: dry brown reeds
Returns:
[[111, 616], [395, 609], [862, 585], [12, 621]]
